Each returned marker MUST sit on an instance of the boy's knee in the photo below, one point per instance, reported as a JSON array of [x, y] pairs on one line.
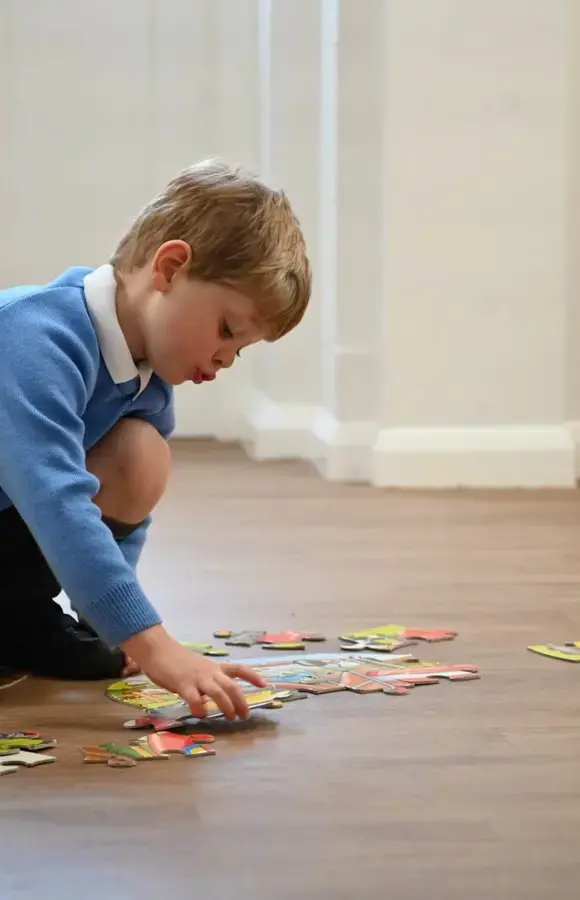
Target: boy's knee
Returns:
[[132, 463]]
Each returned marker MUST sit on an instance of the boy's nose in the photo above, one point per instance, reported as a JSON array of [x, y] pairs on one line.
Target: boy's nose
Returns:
[[224, 360]]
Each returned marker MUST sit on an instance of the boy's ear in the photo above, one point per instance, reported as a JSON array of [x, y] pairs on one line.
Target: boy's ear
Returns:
[[168, 260]]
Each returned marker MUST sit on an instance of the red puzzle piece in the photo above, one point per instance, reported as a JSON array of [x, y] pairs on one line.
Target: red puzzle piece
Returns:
[[426, 634], [186, 744]]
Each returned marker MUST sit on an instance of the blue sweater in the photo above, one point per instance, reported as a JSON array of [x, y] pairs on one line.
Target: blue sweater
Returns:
[[57, 399]]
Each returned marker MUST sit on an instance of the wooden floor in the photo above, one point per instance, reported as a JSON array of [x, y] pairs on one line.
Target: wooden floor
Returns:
[[457, 792]]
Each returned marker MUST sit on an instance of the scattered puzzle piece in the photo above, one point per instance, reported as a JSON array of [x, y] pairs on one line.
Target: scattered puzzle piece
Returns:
[[24, 740], [569, 652], [121, 762], [239, 638], [165, 742], [99, 754], [94, 754], [386, 638], [25, 758], [285, 640], [123, 750], [206, 649]]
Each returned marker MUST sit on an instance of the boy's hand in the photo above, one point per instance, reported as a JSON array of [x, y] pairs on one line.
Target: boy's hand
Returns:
[[190, 675]]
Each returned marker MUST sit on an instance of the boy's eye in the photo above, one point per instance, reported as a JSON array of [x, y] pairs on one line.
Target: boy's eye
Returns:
[[228, 334]]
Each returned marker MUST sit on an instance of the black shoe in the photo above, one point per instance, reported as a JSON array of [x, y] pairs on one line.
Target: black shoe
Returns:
[[62, 650]]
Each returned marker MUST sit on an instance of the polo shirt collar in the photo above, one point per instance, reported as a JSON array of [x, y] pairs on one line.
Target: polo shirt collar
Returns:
[[100, 291]]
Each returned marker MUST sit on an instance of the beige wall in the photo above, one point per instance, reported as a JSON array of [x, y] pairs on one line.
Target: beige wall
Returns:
[[431, 152]]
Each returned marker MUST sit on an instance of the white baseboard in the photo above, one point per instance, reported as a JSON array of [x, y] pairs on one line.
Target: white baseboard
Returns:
[[279, 430], [574, 432], [344, 449], [502, 457]]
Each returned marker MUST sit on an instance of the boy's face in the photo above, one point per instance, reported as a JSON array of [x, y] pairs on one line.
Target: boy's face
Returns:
[[192, 329]]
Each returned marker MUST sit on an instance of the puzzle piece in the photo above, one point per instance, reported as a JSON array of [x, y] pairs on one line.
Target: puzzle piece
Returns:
[[165, 742], [386, 638], [570, 651], [239, 638], [206, 649], [285, 640], [100, 755], [123, 750], [24, 740], [158, 723], [25, 758]]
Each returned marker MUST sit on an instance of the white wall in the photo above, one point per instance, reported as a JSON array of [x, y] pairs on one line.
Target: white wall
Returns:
[[430, 150]]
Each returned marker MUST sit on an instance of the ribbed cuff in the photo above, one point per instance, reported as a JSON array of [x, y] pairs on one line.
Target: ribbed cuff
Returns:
[[121, 613]]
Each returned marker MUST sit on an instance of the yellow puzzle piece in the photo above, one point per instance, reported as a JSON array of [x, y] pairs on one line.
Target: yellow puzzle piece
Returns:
[[570, 651]]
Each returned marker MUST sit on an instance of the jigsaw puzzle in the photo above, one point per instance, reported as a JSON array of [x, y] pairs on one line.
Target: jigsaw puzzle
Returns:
[[570, 651], [291, 677], [386, 638], [284, 640]]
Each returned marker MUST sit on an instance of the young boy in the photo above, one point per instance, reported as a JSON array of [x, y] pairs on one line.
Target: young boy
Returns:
[[213, 264]]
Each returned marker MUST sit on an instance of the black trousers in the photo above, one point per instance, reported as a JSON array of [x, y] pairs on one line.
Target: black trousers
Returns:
[[27, 583], [28, 586]]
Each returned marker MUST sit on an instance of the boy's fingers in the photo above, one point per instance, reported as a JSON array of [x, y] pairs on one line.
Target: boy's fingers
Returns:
[[236, 696], [131, 668], [217, 693], [237, 670], [194, 701]]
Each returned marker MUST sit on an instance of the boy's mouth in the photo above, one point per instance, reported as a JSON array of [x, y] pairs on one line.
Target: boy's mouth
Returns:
[[199, 376]]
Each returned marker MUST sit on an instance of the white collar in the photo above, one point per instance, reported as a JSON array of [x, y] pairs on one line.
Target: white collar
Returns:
[[100, 291]]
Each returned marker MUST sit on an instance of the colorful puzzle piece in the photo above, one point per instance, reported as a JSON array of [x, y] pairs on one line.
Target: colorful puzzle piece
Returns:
[[386, 638], [165, 742], [157, 723], [570, 651], [100, 755], [285, 640], [24, 740], [119, 755]]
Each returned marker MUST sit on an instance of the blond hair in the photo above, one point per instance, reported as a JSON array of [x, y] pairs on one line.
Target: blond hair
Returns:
[[241, 233]]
